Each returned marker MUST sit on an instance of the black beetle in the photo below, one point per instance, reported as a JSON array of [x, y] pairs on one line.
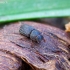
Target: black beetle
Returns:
[[31, 32]]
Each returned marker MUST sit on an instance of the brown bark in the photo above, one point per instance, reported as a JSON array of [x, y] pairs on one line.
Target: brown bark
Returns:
[[51, 54]]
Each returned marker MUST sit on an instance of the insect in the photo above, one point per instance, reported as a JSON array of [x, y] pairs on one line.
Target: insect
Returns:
[[31, 32]]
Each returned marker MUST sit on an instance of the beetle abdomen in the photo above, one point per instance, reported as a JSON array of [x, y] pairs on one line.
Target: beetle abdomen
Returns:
[[26, 30]]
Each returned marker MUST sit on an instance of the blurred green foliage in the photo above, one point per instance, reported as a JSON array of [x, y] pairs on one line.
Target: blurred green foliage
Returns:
[[29, 9]]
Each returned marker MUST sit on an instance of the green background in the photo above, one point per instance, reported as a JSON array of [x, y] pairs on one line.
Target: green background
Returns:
[[29, 9]]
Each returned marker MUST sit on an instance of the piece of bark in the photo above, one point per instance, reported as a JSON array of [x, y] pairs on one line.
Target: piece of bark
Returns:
[[51, 54], [67, 26], [9, 61]]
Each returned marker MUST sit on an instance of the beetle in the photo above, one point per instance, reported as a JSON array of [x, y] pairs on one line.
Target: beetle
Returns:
[[31, 32]]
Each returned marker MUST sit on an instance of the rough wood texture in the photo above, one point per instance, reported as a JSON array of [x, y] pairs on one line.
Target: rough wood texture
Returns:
[[9, 61], [51, 54]]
